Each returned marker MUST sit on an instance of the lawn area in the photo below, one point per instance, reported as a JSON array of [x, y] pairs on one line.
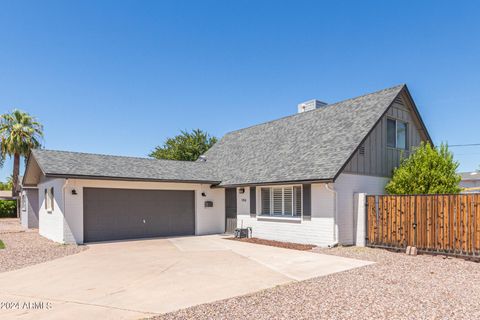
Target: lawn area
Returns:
[[397, 286], [22, 248]]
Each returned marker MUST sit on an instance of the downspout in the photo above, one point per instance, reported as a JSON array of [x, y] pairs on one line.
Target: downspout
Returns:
[[335, 218], [63, 211]]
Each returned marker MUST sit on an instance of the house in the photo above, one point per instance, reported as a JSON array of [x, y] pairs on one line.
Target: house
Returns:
[[6, 195], [470, 181], [291, 179], [28, 210]]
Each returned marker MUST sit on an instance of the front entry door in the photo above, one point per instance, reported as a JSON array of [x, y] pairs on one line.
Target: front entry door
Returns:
[[230, 209]]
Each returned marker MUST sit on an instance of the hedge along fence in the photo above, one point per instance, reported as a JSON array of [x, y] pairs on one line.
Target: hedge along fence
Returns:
[[8, 208], [433, 223]]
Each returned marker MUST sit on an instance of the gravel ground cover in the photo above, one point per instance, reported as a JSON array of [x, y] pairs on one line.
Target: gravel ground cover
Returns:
[[397, 286], [288, 245], [27, 248], [10, 225]]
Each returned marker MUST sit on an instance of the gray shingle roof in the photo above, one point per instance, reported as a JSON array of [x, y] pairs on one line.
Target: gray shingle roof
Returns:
[[310, 146], [75, 164], [474, 175], [313, 145]]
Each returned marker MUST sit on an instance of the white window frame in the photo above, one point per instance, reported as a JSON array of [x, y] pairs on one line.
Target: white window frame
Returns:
[[396, 134], [283, 215]]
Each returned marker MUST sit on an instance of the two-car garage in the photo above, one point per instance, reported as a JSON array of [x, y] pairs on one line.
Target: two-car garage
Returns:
[[86, 197], [115, 214]]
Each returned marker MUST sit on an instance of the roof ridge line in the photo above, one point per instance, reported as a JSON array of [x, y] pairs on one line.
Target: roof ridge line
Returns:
[[323, 107], [116, 156]]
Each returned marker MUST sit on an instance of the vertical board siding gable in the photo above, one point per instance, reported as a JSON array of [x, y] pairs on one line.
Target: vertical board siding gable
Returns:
[[379, 160]]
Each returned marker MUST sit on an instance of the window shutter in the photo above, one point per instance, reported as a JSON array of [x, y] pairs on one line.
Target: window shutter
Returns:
[[253, 202], [265, 194], [297, 202], [307, 201], [52, 199]]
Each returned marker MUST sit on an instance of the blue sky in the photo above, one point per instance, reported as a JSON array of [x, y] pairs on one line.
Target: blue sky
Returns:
[[118, 77]]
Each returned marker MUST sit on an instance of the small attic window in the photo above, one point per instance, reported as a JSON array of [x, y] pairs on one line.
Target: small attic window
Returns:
[[361, 150]]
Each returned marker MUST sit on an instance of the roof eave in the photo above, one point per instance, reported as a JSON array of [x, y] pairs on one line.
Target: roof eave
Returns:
[[97, 177], [267, 183], [417, 113], [27, 166], [404, 88]]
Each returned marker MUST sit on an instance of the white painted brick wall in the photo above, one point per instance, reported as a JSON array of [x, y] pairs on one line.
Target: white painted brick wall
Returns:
[[317, 231], [360, 219], [51, 224], [346, 186]]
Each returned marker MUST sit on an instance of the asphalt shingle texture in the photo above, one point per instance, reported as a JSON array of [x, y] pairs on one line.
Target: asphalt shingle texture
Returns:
[[85, 164], [313, 145], [308, 146]]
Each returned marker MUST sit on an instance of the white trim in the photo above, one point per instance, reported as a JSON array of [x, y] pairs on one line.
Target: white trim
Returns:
[[288, 218], [283, 187]]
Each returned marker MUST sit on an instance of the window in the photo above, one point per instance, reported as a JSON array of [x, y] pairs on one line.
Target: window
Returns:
[[282, 201], [49, 200], [401, 135], [23, 203], [396, 134]]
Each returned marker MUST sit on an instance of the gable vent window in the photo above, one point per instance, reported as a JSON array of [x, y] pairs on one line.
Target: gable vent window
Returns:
[[397, 134], [399, 100], [282, 201]]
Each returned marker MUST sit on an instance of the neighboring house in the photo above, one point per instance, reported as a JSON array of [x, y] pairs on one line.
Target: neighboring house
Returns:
[[6, 195], [470, 181], [291, 179], [28, 206]]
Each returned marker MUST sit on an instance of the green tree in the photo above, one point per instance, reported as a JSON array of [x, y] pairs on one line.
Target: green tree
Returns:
[[7, 185], [428, 170], [186, 146], [19, 133]]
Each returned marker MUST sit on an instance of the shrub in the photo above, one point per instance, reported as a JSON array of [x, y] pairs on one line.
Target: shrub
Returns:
[[8, 208], [428, 170]]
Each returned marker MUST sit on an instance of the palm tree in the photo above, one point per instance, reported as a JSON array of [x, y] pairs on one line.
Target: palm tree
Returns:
[[20, 133]]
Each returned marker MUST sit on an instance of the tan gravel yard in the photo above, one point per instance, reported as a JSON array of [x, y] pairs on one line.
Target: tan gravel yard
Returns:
[[24, 248], [396, 287]]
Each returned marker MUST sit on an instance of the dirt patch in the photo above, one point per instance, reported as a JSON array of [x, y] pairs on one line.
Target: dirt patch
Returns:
[[287, 245]]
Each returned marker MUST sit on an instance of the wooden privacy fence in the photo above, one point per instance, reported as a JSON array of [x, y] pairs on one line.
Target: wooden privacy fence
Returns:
[[434, 223]]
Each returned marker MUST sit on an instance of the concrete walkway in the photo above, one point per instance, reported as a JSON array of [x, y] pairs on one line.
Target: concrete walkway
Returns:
[[136, 279]]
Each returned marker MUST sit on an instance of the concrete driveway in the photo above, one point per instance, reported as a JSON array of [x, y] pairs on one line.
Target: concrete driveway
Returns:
[[136, 279]]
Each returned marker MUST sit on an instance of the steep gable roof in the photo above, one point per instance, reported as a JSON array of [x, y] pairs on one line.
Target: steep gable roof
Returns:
[[309, 146]]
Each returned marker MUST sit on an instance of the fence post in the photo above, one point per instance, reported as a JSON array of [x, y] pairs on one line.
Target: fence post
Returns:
[[415, 230], [360, 219]]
